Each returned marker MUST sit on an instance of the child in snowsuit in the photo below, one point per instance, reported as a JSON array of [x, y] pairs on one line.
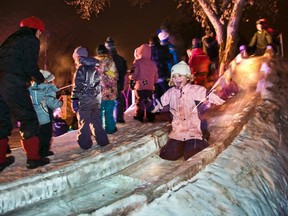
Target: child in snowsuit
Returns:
[[109, 91], [45, 102], [186, 138], [86, 99], [145, 76]]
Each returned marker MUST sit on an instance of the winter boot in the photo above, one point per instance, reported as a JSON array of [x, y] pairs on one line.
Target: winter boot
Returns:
[[32, 164], [31, 148], [5, 161]]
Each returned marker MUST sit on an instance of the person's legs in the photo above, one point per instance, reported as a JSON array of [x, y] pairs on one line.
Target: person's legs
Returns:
[[147, 94], [193, 146], [102, 113], [5, 161], [6, 125], [173, 150], [84, 132], [45, 139], [17, 98], [98, 130], [110, 124], [139, 113], [5, 131], [120, 101]]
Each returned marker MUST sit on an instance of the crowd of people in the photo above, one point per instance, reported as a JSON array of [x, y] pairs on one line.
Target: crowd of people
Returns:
[[162, 81]]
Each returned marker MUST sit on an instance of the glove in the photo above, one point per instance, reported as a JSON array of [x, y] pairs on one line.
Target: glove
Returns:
[[75, 105]]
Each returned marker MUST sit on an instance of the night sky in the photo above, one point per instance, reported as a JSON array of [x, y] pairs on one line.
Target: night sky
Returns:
[[128, 26]]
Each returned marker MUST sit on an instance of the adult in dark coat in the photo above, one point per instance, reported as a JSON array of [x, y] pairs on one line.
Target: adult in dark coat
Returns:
[[161, 56], [18, 66]]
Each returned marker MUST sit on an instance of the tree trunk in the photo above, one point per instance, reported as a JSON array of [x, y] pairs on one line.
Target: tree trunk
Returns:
[[232, 37], [227, 42]]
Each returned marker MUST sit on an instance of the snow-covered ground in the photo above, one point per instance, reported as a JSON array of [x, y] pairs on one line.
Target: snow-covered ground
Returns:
[[248, 178]]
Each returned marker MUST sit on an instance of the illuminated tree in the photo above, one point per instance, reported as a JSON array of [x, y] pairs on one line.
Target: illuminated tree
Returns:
[[223, 15]]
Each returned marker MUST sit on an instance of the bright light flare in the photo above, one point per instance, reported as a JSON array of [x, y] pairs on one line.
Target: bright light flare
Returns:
[[247, 72]]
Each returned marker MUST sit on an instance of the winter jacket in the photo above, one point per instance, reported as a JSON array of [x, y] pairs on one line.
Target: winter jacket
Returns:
[[161, 56], [199, 61], [186, 122], [19, 56], [44, 98], [172, 50], [87, 88], [18, 66], [108, 77], [145, 72], [261, 39], [121, 66]]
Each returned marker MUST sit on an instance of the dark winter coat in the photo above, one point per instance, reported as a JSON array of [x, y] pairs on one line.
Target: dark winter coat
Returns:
[[18, 65], [121, 66], [19, 56], [87, 88], [161, 56]]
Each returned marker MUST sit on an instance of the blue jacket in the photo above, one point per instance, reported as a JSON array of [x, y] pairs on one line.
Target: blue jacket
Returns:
[[44, 101]]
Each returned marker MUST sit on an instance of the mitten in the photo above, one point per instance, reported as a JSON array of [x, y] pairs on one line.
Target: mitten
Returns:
[[75, 105]]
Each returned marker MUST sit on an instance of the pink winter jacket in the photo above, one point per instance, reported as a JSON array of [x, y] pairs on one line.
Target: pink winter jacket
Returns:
[[186, 122], [145, 70]]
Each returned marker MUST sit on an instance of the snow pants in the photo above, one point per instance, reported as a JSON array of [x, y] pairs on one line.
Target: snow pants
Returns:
[[141, 96], [89, 124], [107, 116], [175, 149], [17, 103], [45, 138], [120, 106]]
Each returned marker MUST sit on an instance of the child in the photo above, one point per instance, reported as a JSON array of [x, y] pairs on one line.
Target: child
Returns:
[[145, 75], [45, 102], [185, 139], [108, 79], [86, 99]]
